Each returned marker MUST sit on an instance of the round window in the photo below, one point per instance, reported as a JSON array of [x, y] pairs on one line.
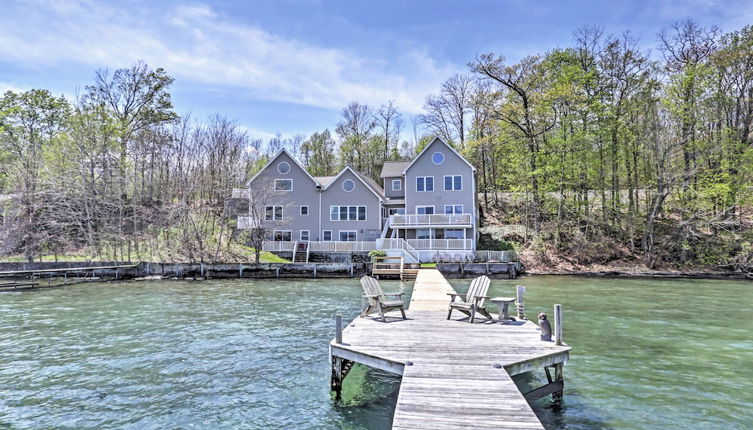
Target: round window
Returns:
[[283, 167], [349, 185], [437, 158]]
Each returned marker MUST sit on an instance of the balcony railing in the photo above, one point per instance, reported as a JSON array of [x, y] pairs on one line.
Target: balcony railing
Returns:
[[334, 246], [247, 222], [417, 220], [440, 244]]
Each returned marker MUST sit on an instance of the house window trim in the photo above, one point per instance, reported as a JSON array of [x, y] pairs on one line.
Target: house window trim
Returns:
[[340, 232], [347, 213], [399, 185], [284, 180], [308, 235], [274, 234], [307, 210], [452, 183], [347, 181], [274, 212], [279, 165], [433, 209], [462, 208], [324, 239], [424, 184], [441, 154]]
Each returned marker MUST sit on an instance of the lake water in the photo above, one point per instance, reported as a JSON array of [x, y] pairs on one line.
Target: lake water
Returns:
[[253, 354]]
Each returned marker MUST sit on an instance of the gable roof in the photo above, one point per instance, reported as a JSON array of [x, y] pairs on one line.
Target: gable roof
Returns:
[[323, 180], [376, 190], [393, 168], [272, 160], [428, 146]]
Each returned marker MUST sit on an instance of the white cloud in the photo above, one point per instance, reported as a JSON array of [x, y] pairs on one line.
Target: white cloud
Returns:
[[196, 44], [7, 86]]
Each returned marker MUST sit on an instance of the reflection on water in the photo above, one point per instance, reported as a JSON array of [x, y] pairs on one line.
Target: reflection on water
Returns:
[[252, 354]]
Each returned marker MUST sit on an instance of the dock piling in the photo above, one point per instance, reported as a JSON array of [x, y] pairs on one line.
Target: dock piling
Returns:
[[558, 325], [519, 291], [339, 329]]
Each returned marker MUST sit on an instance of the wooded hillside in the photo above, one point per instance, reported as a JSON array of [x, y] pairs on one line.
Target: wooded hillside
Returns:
[[596, 152]]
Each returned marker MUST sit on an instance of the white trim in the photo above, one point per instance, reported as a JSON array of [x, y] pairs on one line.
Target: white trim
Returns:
[[280, 165], [284, 179], [365, 212], [308, 235], [274, 212], [399, 185], [308, 210], [444, 182], [426, 148], [426, 206], [272, 160], [345, 182], [443, 158], [453, 209], [340, 232], [330, 236], [357, 176], [424, 178], [274, 233]]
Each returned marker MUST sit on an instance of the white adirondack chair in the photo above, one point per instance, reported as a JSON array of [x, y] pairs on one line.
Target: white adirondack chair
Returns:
[[473, 301], [377, 299]]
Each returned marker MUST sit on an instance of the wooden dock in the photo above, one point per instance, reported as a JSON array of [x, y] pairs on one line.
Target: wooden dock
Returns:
[[393, 266], [454, 374]]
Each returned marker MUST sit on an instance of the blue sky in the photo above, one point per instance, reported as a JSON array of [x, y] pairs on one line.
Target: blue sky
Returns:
[[289, 66]]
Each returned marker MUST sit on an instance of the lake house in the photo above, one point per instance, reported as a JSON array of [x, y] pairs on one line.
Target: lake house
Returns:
[[423, 209]]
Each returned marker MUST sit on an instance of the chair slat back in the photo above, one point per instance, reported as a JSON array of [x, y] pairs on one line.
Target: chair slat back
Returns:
[[479, 287], [371, 288]]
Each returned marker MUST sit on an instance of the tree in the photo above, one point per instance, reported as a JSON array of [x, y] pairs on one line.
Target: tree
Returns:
[[318, 154]]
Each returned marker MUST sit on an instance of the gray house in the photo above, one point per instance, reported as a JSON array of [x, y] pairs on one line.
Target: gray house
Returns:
[[424, 208]]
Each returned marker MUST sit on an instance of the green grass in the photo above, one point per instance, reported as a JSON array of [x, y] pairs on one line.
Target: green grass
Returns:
[[428, 265], [268, 257]]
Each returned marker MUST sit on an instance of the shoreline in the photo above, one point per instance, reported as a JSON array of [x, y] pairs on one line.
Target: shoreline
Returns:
[[638, 274]]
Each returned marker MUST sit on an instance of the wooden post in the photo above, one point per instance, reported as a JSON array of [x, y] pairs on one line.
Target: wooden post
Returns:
[[560, 378], [314, 270], [519, 290], [558, 324], [339, 329], [240, 270]]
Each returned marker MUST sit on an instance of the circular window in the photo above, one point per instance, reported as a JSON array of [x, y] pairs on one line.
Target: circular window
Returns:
[[437, 158], [349, 185], [283, 167]]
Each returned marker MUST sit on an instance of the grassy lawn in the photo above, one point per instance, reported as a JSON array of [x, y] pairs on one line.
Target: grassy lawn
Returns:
[[428, 265], [248, 255]]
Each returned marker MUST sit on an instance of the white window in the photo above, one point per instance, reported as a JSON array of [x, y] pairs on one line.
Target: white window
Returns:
[[349, 185], [437, 158], [347, 235], [283, 236], [283, 167], [273, 213], [397, 185], [453, 209], [425, 183], [327, 235], [347, 213], [283, 185], [453, 233], [305, 235], [396, 211], [304, 210], [425, 210], [423, 233], [453, 183]]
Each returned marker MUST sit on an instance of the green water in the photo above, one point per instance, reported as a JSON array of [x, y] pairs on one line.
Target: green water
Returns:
[[252, 354]]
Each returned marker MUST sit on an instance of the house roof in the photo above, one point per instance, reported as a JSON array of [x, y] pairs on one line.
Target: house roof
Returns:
[[324, 180], [393, 168], [428, 146], [370, 184], [272, 160]]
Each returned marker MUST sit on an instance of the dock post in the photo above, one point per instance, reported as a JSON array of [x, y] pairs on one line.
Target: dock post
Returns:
[[559, 376], [337, 362], [314, 270], [558, 324], [519, 291], [240, 270], [339, 328]]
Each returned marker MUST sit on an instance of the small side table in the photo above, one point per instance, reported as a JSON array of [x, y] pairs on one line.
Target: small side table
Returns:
[[504, 308]]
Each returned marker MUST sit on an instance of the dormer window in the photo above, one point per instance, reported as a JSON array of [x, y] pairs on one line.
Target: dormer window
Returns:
[[283, 167]]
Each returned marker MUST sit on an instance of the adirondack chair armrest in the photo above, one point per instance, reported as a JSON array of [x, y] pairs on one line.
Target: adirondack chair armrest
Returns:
[[394, 294], [371, 296], [477, 298], [453, 296]]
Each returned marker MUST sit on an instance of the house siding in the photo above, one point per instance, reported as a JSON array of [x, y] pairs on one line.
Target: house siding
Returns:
[[453, 165], [388, 188], [361, 195], [304, 193]]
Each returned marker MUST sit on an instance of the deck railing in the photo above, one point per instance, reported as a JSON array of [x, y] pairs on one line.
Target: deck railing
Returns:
[[441, 244], [431, 220], [247, 222], [319, 246], [500, 256], [397, 243]]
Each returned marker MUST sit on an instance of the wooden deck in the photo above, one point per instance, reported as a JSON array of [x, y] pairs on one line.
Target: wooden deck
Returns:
[[454, 374]]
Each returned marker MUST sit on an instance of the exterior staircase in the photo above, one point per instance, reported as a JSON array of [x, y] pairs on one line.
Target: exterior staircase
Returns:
[[301, 252]]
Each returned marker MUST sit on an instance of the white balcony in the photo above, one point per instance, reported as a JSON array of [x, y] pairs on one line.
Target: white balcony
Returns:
[[431, 220], [441, 244], [247, 223]]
